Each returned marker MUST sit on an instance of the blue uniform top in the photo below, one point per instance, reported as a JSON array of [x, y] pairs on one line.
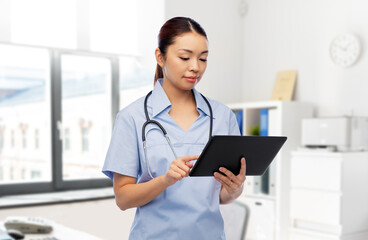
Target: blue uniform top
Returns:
[[189, 209]]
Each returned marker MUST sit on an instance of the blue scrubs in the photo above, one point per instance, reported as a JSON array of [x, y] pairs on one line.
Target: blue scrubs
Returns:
[[189, 209]]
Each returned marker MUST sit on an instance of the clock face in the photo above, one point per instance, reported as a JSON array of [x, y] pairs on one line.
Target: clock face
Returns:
[[345, 50]]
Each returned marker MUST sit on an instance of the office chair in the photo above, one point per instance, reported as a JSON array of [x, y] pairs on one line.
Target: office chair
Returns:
[[235, 215]]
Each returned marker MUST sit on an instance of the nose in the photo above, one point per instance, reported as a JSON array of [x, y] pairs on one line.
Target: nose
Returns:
[[194, 65]]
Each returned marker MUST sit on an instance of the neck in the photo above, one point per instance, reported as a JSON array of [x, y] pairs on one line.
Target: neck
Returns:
[[178, 96]]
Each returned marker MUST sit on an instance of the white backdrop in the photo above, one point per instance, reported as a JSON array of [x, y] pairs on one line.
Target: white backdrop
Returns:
[[276, 35], [224, 26], [289, 34]]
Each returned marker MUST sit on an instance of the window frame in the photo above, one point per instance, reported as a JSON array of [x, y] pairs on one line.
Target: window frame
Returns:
[[57, 183]]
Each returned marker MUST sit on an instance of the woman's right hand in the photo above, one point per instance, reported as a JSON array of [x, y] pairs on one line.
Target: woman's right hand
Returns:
[[179, 169], [129, 194]]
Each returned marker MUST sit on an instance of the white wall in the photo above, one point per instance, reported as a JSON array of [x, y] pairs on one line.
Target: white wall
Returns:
[[224, 25], [293, 34], [247, 52], [4, 21]]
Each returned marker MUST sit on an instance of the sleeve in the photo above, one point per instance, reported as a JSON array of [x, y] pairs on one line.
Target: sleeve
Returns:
[[233, 124], [122, 156]]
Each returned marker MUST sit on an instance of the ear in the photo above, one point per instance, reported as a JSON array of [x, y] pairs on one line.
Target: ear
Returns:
[[159, 57]]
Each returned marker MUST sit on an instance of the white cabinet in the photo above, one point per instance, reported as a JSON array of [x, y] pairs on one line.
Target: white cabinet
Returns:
[[268, 198], [329, 196]]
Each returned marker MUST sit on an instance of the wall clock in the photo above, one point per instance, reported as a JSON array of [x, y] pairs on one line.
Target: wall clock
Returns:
[[345, 49]]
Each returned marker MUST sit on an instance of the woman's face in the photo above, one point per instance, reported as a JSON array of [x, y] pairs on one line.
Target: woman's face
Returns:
[[186, 61]]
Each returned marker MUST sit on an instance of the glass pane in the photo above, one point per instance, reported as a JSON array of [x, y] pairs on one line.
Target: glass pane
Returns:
[[135, 80], [25, 132], [44, 23], [86, 115]]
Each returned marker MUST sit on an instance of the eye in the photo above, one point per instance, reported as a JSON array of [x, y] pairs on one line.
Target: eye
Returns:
[[184, 58], [203, 59]]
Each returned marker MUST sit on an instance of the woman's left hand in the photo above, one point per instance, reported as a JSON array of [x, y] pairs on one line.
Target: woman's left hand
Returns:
[[233, 184]]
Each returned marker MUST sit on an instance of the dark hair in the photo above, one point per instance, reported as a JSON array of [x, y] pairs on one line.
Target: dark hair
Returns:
[[170, 30]]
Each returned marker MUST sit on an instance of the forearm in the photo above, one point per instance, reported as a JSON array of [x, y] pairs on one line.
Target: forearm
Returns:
[[135, 195], [226, 197]]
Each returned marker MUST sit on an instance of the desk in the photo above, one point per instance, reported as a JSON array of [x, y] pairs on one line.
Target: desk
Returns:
[[59, 232]]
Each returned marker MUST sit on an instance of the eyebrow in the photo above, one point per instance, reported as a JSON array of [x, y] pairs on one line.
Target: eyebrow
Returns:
[[190, 51]]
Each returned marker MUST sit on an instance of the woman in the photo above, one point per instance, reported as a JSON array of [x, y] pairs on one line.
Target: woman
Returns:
[[154, 178]]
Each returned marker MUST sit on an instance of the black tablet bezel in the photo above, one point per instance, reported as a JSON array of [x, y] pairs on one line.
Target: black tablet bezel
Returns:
[[226, 151]]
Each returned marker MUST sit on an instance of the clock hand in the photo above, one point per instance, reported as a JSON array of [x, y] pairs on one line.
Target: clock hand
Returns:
[[347, 46], [341, 48]]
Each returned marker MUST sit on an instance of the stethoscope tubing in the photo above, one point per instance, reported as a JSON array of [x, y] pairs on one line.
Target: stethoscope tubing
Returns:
[[149, 121]]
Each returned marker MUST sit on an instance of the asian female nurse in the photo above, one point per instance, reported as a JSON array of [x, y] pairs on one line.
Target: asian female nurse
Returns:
[[154, 177]]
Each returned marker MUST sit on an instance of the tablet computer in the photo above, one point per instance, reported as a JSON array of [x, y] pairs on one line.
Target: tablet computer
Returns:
[[226, 151]]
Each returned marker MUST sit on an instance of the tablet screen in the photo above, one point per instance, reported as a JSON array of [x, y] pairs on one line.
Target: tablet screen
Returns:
[[226, 151]]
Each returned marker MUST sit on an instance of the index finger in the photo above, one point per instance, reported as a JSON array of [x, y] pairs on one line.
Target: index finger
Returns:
[[242, 167], [188, 158]]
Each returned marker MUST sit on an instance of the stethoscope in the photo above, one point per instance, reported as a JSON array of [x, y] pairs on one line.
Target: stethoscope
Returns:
[[148, 121]]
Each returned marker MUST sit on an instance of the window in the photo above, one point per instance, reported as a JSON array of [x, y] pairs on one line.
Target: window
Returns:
[[62, 102], [24, 172], [12, 140], [135, 80], [25, 105], [85, 98], [24, 138], [1, 138], [86, 107], [66, 139], [35, 174], [37, 140], [11, 175], [84, 139]]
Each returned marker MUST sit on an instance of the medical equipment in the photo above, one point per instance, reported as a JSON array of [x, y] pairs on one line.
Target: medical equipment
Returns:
[[148, 121], [344, 134]]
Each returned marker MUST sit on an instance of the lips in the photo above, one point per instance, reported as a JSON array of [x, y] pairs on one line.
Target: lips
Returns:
[[192, 79]]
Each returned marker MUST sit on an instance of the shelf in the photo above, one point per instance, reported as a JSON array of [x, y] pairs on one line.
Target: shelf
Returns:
[[266, 104], [269, 202]]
